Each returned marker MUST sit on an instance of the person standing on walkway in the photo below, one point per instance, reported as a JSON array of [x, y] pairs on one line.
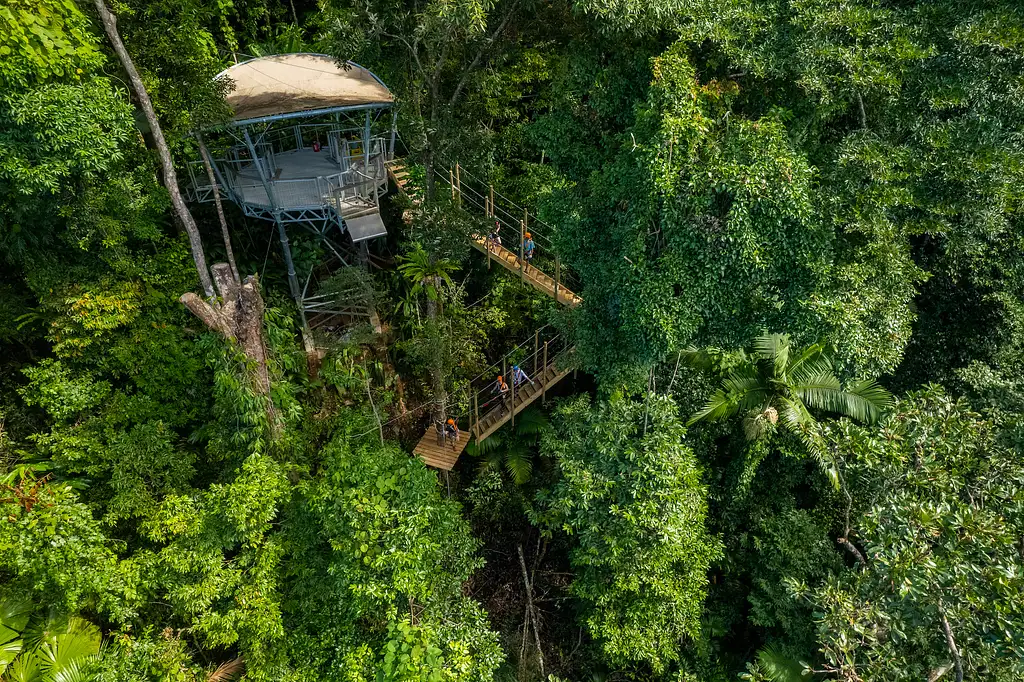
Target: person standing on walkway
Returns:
[[528, 248], [501, 390], [519, 377], [451, 432]]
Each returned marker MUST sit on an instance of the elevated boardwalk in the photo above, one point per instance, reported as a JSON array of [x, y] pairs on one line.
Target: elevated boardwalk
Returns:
[[439, 456], [487, 413], [529, 274], [491, 418]]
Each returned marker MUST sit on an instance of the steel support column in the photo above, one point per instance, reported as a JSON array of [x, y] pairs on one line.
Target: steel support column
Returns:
[[293, 280]]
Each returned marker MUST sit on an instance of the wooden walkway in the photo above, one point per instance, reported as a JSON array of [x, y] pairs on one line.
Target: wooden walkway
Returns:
[[526, 394], [439, 456], [445, 456], [529, 274], [494, 415]]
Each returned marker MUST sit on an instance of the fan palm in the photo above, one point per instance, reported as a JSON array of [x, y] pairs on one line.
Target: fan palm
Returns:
[[34, 648], [776, 384], [426, 275], [513, 451]]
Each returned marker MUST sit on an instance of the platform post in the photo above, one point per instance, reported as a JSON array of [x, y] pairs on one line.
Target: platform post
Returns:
[[492, 200], [544, 384], [394, 134], [557, 273], [476, 411], [522, 262], [451, 182], [458, 180], [512, 407], [366, 144], [293, 281], [536, 351]]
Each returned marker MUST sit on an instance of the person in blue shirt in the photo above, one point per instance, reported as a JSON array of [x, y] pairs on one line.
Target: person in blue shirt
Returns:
[[528, 248], [519, 377]]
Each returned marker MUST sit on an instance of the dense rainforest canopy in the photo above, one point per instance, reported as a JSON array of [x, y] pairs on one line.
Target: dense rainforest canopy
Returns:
[[784, 435]]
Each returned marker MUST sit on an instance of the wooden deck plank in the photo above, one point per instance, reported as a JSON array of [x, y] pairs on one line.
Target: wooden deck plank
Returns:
[[439, 457]]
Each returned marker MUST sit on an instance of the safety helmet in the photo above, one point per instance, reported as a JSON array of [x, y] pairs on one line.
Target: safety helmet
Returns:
[[451, 422], [515, 367], [529, 236], [501, 378]]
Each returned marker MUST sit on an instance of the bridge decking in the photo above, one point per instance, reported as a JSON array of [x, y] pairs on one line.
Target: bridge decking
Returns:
[[531, 275], [443, 456]]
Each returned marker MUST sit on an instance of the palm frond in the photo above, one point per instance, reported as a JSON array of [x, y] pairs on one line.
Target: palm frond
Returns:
[[531, 422], [746, 387], [811, 353], [11, 644], [481, 448], [719, 406], [228, 670], [811, 438], [14, 613], [875, 399], [78, 639], [26, 668], [774, 348], [811, 367], [519, 463], [793, 414], [778, 667]]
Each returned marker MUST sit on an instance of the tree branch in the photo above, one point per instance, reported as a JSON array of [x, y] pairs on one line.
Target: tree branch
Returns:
[[531, 610], [170, 177], [958, 662], [480, 53]]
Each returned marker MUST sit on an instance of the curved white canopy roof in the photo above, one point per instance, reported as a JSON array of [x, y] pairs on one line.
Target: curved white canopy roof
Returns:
[[287, 85]]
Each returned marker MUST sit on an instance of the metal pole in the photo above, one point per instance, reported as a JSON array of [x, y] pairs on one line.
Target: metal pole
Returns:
[[293, 281], [544, 382], [366, 144], [476, 410], [512, 408], [394, 134]]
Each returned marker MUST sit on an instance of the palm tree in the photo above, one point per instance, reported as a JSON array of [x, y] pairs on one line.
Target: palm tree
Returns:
[[37, 648], [512, 451], [427, 275], [776, 384]]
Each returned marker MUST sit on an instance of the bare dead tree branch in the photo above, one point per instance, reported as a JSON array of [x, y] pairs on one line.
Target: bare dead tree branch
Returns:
[[170, 177], [208, 164]]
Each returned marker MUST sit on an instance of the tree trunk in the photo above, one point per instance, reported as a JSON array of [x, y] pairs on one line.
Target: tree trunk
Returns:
[[238, 317], [437, 368], [170, 178], [208, 164]]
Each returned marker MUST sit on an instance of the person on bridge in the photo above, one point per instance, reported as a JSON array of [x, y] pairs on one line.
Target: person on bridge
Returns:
[[519, 377], [494, 238], [528, 248], [501, 390], [451, 432]]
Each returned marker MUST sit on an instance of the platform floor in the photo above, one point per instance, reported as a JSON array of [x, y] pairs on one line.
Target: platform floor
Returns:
[[298, 164], [295, 183]]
